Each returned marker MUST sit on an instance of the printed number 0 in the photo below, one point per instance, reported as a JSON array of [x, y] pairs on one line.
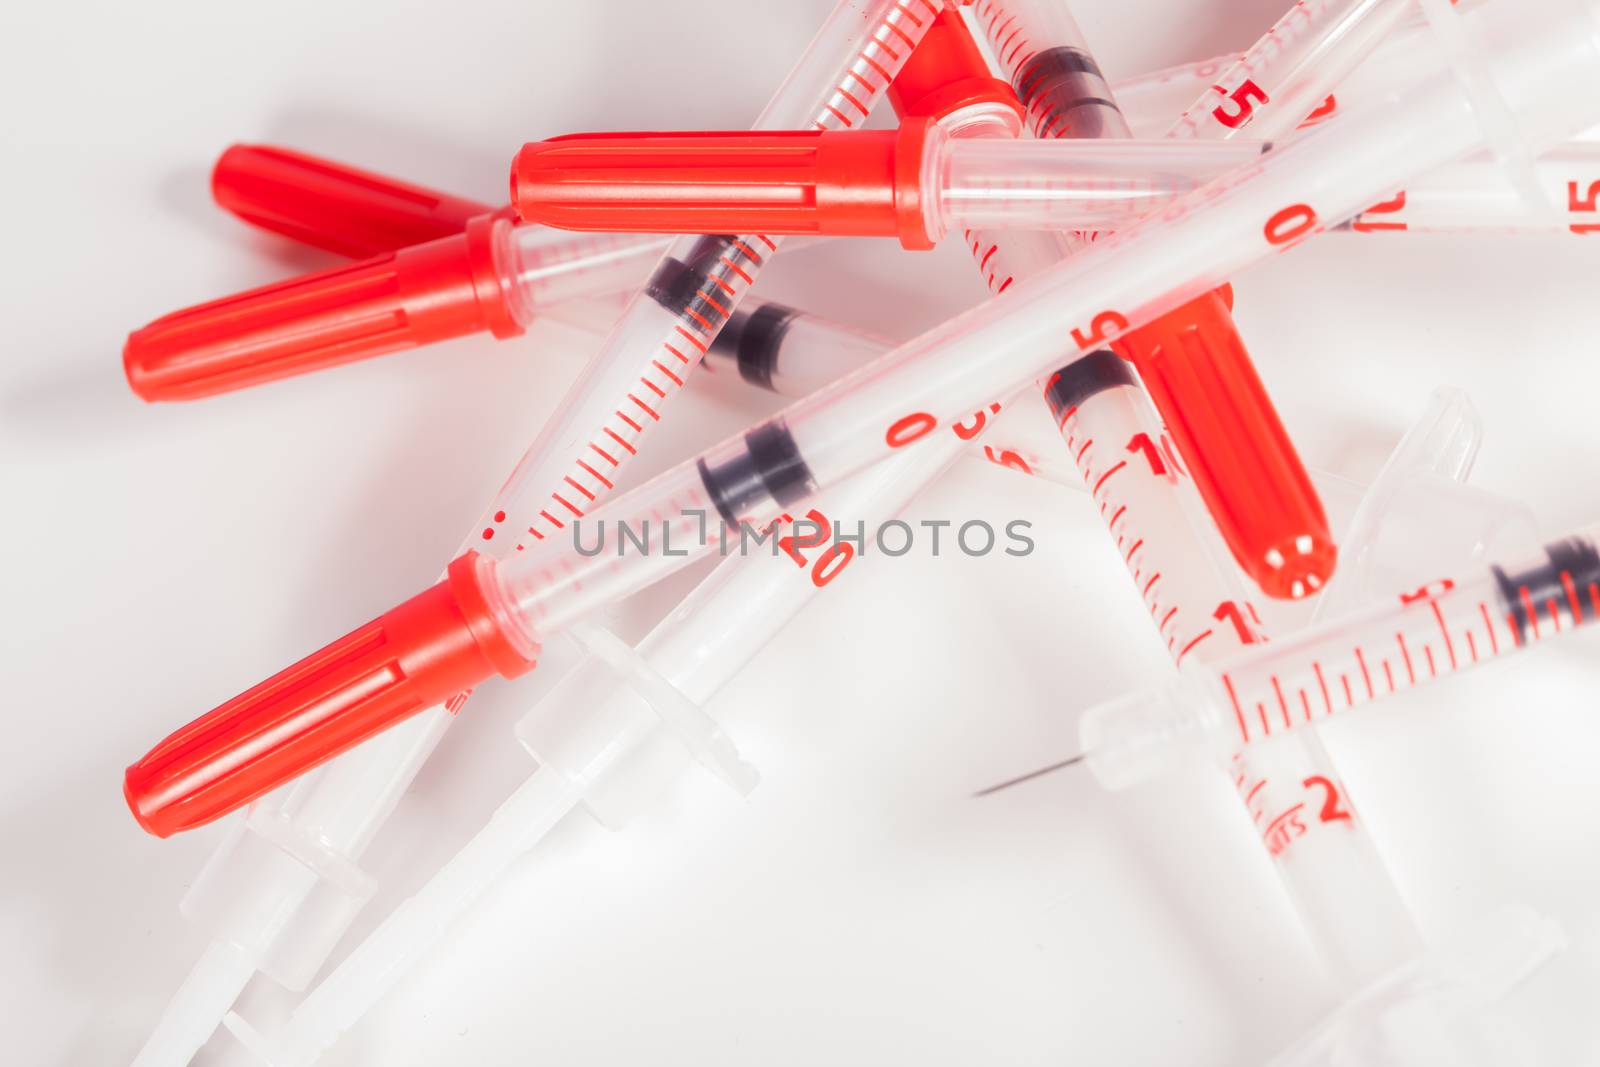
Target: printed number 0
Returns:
[[909, 429], [1292, 222]]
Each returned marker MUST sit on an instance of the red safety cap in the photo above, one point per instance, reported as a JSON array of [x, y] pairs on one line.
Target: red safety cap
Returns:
[[861, 183], [329, 205], [946, 74], [430, 292], [1200, 377], [439, 643]]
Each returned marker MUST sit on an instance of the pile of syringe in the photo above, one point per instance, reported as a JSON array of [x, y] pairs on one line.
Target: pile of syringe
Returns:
[[1107, 221]]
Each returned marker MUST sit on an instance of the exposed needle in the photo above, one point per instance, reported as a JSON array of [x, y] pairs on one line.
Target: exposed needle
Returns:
[[1031, 775]]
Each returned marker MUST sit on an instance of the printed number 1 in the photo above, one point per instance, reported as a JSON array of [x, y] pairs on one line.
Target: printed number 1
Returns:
[[1141, 443]]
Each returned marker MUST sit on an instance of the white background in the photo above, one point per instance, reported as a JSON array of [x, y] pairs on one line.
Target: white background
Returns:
[[859, 907]]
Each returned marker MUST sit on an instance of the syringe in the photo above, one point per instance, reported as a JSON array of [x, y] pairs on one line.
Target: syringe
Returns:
[[1435, 630], [1198, 605], [847, 64], [922, 185], [493, 275], [488, 618]]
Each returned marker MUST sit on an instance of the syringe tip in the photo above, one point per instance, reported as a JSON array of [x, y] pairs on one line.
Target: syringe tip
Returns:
[[442, 641], [1298, 567], [446, 288]]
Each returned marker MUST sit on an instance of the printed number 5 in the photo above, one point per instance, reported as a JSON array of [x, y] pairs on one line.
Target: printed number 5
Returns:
[[1247, 106], [1577, 203]]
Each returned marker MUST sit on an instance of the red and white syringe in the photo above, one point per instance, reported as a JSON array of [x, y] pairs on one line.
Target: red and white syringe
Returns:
[[921, 185], [1421, 635]]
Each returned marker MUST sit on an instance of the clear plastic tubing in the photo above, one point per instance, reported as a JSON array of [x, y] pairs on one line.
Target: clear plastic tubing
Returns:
[[1200, 608], [491, 618], [847, 65], [1272, 690], [1294, 68]]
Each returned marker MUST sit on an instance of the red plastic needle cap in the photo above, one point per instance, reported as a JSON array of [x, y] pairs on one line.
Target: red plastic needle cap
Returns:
[[946, 73], [438, 643], [1247, 470], [862, 183], [328, 205], [430, 292]]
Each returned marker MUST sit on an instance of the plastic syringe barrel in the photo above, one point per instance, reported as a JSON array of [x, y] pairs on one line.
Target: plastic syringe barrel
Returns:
[[1453, 623], [1549, 69]]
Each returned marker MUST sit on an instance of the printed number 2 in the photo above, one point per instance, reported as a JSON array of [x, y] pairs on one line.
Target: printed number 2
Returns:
[[1331, 811], [1246, 96], [831, 562], [1590, 203]]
